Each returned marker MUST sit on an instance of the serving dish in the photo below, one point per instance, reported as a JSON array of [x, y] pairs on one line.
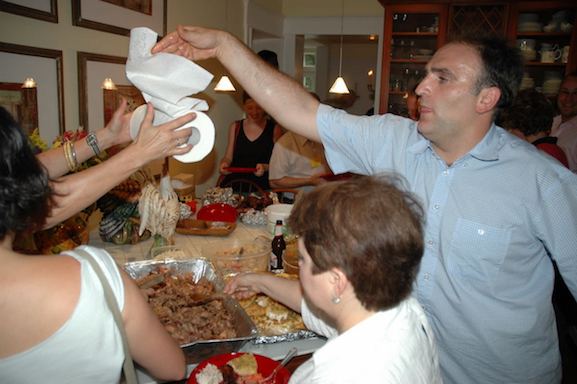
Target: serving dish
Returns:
[[265, 367], [218, 212], [233, 257], [204, 227], [169, 252], [202, 268]]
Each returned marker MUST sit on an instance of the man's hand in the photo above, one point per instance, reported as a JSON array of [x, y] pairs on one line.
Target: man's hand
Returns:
[[194, 43]]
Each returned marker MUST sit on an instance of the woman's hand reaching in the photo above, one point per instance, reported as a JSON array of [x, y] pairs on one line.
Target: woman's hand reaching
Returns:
[[243, 286], [157, 142]]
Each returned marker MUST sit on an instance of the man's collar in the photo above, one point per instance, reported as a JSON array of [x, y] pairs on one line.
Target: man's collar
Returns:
[[486, 150]]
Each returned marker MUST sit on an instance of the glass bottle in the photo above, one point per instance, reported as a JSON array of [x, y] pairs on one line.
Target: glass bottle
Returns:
[[278, 246], [406, 79], [411, 50]]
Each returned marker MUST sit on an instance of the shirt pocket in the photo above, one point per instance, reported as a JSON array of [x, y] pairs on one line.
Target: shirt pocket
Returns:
[[477, 251]]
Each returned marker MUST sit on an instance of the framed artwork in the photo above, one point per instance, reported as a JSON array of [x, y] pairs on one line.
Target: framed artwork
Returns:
[[120, 16], [112, 97], [44, 107], [97, 104], [22, 104], [46, 10]]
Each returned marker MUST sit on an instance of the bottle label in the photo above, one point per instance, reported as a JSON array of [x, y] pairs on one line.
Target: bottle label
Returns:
[[276, 261]]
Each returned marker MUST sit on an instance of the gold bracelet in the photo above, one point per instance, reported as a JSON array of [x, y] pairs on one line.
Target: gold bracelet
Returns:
[[67, 147], [73, 152]]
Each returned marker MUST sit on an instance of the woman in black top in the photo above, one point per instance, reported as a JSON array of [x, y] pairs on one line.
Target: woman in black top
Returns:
[[250, 144]]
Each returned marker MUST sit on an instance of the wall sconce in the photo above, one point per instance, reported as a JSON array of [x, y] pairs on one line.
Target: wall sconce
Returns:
[[108, 84], [370, 85], [29, 83]]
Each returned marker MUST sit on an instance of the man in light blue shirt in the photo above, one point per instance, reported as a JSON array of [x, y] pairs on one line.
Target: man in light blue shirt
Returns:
[[498, 210]]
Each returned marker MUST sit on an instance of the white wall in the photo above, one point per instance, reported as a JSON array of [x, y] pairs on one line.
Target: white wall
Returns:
[[63, 36]]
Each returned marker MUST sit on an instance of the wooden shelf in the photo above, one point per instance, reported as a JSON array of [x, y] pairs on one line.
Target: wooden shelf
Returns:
[[500, 15]]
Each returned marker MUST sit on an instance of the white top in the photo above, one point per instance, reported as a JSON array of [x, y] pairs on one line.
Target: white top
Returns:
[[298, 157], [88, 347], [394, 346], [567, 139]]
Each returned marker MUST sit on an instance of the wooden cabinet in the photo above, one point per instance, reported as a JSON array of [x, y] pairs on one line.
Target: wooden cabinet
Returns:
[[541, 29], [413, 31], [412, 34]]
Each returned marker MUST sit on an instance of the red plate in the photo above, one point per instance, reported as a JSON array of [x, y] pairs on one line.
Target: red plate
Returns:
[[340, 176], [218, 212], [241, 170], [265, 367]]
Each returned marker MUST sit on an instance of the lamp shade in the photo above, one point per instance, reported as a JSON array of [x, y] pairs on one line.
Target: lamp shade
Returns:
[[339, 86], [29, 83], [224, 85], [108, 84]]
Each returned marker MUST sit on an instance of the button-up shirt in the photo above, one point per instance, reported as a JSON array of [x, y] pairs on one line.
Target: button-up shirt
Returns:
[[495, 218]]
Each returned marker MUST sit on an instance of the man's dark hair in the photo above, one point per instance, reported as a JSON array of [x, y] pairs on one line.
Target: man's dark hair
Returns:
[[270, 57], [502, 65]]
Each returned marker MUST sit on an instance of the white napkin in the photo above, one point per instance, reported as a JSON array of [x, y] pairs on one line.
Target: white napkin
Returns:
[[166, 80]]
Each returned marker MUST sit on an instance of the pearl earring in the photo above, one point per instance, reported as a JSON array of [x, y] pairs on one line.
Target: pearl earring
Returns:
[[336, 300]]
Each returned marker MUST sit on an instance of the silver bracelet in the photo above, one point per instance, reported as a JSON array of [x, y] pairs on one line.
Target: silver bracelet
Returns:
[[93, 142]]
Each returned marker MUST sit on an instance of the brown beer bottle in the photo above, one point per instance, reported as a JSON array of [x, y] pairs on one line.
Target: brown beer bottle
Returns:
[[278, 246]]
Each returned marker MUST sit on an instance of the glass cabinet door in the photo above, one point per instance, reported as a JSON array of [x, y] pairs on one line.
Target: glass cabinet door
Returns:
[[545, 33], [412, 34]]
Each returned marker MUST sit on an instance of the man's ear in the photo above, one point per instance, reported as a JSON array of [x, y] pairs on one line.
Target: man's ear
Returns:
[[488, 99]]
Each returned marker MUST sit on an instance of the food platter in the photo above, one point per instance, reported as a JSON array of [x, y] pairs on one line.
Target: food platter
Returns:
[[202, 269], [204, 227], [265, 367]]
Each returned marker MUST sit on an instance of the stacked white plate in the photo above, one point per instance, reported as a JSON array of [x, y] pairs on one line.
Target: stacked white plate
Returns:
[[529, 22], [527, 83]]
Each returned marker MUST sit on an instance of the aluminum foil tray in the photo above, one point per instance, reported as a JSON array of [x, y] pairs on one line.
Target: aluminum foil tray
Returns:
[[300, 335], [200, 268]]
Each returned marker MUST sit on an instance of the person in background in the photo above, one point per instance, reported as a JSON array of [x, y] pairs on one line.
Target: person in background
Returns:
[[297, 162], [56, 325], [497, 211], [344, 101], [76, 191], [564, 125], [250, 144], [530, 118], [270, 57], [356, 284], [412, 102]]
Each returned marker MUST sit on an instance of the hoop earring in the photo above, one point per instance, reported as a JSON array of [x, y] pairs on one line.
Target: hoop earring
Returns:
[[336, 300]]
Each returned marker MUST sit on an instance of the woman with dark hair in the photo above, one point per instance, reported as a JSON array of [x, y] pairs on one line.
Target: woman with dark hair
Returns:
[[357, 266], [250, 144], [55, 322]]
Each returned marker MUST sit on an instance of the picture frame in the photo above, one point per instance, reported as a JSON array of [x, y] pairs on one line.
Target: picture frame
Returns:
[[114, 17], [97, 105], [45, 67], [46, 10]]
